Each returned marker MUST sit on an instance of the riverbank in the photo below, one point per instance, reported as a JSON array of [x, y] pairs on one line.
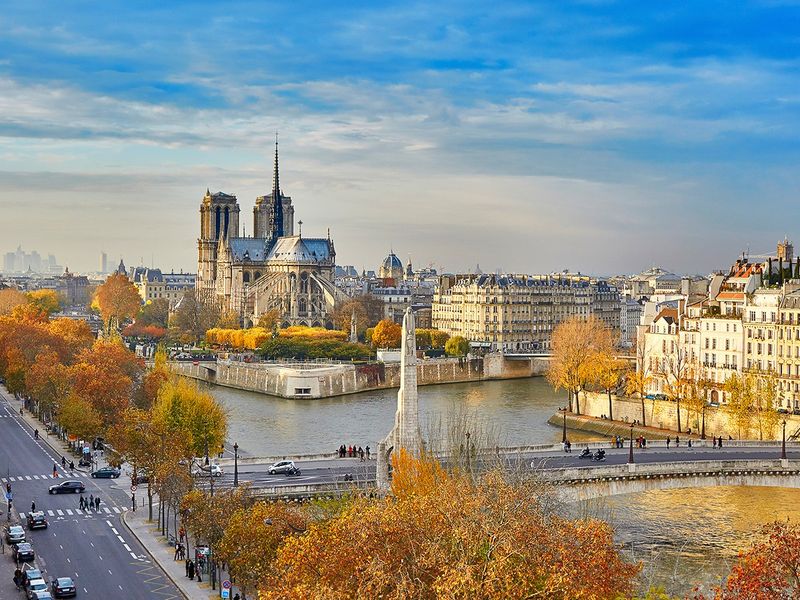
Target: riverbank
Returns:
[[606, 428], [326, 380]]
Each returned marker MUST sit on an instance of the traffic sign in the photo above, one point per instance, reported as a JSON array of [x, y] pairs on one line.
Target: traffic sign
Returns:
[[133, 487], [226, 585], [225, 593]]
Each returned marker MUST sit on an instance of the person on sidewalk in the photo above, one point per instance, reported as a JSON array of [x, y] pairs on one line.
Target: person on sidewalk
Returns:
[[191, 570], [97, 503], [177, 551], [91, 501], [187, 567], [199, 580]]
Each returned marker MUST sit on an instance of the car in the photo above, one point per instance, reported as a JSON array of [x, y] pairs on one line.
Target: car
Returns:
[[37, 520], [29, 574], [35, 586], [15, 534], [64, 587], [71, 486], [139, 479], [106, 473], [41, 595], [783, 411], [23, 552], [284, 466], [206, 470], [650, 397]]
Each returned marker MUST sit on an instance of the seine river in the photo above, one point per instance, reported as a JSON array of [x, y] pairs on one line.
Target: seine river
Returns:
[[683, 537]]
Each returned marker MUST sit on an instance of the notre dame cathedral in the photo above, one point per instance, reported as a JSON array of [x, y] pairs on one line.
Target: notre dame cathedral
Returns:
[[273, 269]]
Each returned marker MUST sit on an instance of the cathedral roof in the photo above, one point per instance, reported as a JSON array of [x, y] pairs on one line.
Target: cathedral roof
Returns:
[[297, 249], [254, 249], [392, 262]]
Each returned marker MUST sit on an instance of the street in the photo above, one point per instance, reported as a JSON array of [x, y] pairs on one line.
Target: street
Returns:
[[92, 547]]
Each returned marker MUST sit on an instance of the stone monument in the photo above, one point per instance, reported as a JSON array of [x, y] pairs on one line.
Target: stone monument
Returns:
[[406, 432]]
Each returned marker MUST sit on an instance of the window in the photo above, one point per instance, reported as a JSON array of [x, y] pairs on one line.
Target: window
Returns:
[[706, 343], [302, 391], [727, 344], [714, 344]]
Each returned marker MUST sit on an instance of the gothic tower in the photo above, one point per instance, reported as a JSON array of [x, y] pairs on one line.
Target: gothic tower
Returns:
[[219, 219], [273, 214]]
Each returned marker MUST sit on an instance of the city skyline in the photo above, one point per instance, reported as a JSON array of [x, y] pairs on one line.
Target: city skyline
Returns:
[[601, 137]]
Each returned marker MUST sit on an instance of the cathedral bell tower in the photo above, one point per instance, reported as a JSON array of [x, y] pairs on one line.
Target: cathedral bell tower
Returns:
[[219, 219]]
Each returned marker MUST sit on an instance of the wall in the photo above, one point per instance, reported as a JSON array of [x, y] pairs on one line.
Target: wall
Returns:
[[663, 414], [325, 381]]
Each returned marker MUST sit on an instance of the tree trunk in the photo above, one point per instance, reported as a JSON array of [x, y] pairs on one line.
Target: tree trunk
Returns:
[[610, 410], [644, 421], [703, 425], [678, 408], [577, 402], [569, 397], [149, 503]]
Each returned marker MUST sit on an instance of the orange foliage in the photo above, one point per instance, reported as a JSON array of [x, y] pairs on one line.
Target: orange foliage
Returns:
[[312, 333], [153, 332], [117, 300], [387, 334], [450, 538], [249, 339]]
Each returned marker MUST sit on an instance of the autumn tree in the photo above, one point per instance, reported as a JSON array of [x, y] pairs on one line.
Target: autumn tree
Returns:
[[228, 319], [447, 536], [387, 334], [679, 378], [269, 320], [368, 310], [49, 382], [695, 396], [438, 338], [49, 301], [192, 318], [457, 346], [608, 373], [117, 300], [80, 418], [765, 395], [154, 312], [739, 407], [574, 344], [10, 298]]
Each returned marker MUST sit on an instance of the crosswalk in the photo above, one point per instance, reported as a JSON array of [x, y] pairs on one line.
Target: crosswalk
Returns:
[[69, 512], [50, 477]]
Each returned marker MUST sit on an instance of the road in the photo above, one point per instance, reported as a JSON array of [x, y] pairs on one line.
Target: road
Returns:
[[334, 470], [94, 548]]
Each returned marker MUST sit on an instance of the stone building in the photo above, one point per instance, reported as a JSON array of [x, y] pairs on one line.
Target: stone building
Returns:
[[153, 284], [272, 270]]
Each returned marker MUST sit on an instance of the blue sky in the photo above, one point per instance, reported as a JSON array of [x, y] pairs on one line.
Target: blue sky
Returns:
[[597, 136]]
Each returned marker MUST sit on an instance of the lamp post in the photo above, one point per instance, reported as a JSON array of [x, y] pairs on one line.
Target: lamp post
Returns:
[[783, 443], [235, 465], [630, 453]]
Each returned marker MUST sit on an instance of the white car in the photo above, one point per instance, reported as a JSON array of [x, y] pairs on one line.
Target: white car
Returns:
[[200, 470], [35, 586], [284, 466]]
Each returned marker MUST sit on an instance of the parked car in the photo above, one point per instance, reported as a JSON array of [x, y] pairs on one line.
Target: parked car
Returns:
[[23, 552], [207, 470], [30, 574], [42, 595], [284, 466], [64, 587], [70, 486], [140, 479], [37, 587], [37, 520], [106, 473], [15, 534]]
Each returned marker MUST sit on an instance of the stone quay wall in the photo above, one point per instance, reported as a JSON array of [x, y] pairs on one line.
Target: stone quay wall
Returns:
[[664, 415], [298, 380]]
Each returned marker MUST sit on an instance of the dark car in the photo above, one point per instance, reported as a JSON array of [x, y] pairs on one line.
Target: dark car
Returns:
[[15, 534], [140, 478], [64, 587], [23, 552], [37, 520], [67, 487], [106, 473]]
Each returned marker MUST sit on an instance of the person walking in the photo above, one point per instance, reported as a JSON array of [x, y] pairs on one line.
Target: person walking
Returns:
[[55, 470], [714, 441], [63, 463], [677, 441], [668, 440], [367, 449], [91, 501], [191, 569], [198, 570], [361, 453], [33, 505], [187, 567], [97, 503], [719, 444], [80, 502], [177, 551]]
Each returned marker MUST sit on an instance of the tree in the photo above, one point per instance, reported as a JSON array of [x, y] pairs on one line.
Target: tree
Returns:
[[608, 373], [765, 397], [49, 301], [739, 407], [154, 312], [229, 319], [695, 396], [10, 298], [269, 320], [456, 346], [637, 384], [447, 536], [192, 318], [387, 334], [678, 378], [80, 418], [48, 381], [367, 308], [423, 338], [439, 338], [575, 342], [117, 300]]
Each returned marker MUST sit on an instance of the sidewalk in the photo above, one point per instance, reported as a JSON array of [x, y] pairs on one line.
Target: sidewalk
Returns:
[[149, 535]]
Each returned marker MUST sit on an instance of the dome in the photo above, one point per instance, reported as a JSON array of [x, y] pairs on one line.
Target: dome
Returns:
[[392, 262]]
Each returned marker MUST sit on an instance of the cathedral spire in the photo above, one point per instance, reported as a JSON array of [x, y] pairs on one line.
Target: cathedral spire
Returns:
[[277, 202]]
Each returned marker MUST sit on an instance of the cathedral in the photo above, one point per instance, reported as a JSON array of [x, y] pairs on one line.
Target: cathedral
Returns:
[[272, 270]]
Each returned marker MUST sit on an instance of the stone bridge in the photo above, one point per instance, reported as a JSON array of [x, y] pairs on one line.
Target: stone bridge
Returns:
[[586, 483]]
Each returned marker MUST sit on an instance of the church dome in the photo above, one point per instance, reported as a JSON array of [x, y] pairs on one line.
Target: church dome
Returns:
[[392, 262]]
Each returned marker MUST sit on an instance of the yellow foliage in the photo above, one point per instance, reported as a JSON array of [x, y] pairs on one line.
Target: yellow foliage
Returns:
[[312, 333], [248, 339], [415, 477], [47, 300]]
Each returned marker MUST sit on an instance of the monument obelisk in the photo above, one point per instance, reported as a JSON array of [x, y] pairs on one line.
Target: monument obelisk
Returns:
[[406, 433]]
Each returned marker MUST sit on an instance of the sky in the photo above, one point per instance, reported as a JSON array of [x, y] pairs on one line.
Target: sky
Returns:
[[596, 136]]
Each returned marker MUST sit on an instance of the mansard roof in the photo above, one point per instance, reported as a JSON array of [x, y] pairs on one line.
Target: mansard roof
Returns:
[[244, 249]]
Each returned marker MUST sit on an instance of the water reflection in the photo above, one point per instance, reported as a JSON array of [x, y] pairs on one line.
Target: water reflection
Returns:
[[265, 425], [685, 537]]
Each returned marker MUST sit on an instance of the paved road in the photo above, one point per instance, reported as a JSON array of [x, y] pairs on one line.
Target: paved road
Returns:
[[94, 548], [334, 470]]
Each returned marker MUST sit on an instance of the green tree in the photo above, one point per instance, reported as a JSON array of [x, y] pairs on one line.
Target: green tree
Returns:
[[155, 312], [456, 346], [192, 318]]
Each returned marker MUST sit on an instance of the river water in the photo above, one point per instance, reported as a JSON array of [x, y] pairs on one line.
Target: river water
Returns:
[[683, 537]]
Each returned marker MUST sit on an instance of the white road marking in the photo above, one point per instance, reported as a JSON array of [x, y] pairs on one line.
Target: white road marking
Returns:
[[21, 515], [119, 537], [128, 548], [69, 511], [134, 556], [28, 477], [50, 513], [109, 572], [116, 510], [115, 531], [68, 560], [60, 512]]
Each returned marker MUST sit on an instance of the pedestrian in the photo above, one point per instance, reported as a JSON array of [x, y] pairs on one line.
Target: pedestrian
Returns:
[[644, 443], [63, 463], [668, 442], [236, 596], [350, 451], [198, 570], [720, 442], [361, 453], [367, 449], [569, 446], [80, 502], [187, 567], [177, 551], [55, 470], [71, 465], [714, 441], [689, 443], [190, 574], [18, 581], [677, 441], [33, 505], [97, 503], [91, 500]]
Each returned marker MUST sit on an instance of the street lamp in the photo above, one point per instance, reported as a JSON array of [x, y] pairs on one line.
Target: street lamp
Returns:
[[630, 454], [235, 465], [783, 443]]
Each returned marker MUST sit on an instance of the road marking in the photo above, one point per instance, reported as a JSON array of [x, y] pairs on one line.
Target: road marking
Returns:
[[115, 531], [134, 556], [108, 512], [60, 512], [50, 513], [128, 548], [36, 477], [119, 537], [116, 510], [69, 511], [21, 515], [109, 572], [68, 560], [28, 477]]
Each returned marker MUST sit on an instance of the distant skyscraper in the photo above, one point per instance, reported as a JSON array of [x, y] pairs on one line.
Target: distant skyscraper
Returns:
[[10, 262], [103, 262]]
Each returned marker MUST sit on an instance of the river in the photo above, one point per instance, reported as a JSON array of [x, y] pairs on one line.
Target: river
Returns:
[[683, 537]]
